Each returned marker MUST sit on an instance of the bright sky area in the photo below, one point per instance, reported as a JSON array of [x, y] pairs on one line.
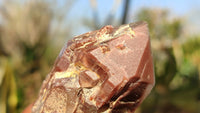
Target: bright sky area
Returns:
[[188, 9]]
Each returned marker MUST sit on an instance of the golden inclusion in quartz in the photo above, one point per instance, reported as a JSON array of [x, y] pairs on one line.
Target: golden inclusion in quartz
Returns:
[[108, 70]]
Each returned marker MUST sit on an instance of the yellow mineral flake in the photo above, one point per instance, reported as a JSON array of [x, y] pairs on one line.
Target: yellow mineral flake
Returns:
[[72, 71], [126, 29], [131, 31], [104, 37], [64, 74], [83, 46]]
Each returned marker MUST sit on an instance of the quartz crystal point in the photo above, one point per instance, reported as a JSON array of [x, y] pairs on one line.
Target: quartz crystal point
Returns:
[[108, 70]]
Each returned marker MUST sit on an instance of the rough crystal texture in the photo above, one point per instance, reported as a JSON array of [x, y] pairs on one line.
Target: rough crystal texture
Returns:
[[109, 70]]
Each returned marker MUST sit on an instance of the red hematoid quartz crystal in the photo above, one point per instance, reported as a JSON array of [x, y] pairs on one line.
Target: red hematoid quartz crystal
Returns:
[[109, 70]]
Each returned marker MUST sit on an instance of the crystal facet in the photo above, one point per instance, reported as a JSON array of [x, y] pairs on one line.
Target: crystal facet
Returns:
[[108, 70]]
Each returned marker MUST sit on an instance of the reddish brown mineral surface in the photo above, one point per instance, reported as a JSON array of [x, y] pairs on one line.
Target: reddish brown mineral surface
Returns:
[[109, 70]]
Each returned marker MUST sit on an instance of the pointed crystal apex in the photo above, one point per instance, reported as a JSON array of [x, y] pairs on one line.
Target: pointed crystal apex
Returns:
[[108, 70]]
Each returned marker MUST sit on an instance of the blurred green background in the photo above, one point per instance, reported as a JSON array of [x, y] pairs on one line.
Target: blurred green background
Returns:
[[32, 32]]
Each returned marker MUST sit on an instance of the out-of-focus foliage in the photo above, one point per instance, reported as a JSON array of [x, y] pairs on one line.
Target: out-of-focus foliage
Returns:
[[191, 51], [31, 35], [27, 31], [176, 65], [8, 90]]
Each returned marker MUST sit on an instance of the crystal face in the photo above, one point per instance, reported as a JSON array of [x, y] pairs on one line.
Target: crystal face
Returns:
[[109, 70]]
